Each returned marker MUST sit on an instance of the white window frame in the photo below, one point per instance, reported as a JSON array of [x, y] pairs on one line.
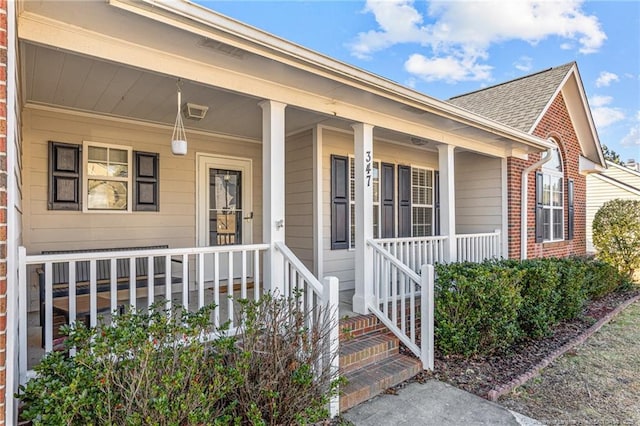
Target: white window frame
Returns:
[[548, 176], [422, 205], [86, 178], [352, 199]]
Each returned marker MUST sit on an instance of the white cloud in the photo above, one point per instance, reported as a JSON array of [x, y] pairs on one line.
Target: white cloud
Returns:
[[633, 137], [606, 116], [606, 78], [448, 69], [459, 33], [525, 63], [598, 101], [638, 115]]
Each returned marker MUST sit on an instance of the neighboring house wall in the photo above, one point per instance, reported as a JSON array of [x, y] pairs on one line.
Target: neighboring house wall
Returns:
[[299, 196], [600, 190], [340, 263], [557, 123], [478, 181]]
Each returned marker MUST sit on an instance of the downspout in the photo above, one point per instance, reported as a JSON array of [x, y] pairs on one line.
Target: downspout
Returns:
[[523, 201]]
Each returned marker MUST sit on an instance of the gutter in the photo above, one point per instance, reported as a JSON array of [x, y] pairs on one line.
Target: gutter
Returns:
[[523, 201]]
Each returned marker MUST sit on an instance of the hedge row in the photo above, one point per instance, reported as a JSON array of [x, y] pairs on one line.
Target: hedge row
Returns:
[[483, 308]]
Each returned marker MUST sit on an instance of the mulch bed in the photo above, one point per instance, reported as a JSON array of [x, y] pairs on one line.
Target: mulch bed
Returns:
[[481, 374]]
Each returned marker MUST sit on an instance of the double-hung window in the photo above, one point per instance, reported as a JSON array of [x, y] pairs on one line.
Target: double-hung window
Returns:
[[553, 199], [107, 178], [421, 202]]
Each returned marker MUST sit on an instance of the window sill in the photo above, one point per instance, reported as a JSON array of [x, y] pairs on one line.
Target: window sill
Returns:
[[553, 243]]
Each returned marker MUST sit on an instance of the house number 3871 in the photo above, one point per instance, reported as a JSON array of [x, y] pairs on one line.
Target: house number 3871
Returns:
[[367, 167]]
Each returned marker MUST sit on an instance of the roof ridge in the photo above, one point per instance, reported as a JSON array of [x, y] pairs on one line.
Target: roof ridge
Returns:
[[512, 80]]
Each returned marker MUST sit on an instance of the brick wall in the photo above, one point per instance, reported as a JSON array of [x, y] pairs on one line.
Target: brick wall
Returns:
[[557, 123], [3, 205]]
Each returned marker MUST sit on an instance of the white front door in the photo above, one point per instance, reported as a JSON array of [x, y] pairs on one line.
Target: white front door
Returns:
[[225, 210]]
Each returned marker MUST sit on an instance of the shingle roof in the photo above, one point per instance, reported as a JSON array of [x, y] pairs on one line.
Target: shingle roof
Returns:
[[516, 103]]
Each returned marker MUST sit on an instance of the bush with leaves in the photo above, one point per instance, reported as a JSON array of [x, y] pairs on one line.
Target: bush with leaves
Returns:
[[146, 368], [476, 307], [616, 234]]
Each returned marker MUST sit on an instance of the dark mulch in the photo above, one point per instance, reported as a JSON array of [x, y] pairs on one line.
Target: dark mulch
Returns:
[[480, 374]]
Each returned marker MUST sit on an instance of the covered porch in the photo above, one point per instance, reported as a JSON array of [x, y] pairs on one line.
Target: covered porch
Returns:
[[115, 219]]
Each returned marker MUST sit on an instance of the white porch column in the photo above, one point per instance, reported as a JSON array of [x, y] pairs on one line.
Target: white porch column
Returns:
[[363, 148], [273, 190], [447, 199]]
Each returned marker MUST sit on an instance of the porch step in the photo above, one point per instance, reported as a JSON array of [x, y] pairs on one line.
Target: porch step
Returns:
[[371, 380], [370, 360]]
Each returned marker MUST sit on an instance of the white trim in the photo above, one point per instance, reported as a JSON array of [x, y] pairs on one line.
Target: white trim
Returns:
[[12, 133], [318, 219], [84, 186]]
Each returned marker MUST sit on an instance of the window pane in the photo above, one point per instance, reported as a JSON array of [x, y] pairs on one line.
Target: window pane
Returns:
[[118, 156], [118, 170], [557, 224], [546, 190], [97, 169], [376, 224], [557, 192], [546, 226], [97, 154], [422, 226], [107, 195], [352, 179], [352, 242]]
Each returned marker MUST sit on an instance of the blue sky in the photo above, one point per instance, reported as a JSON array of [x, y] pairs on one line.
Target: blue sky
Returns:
[[452, 47]]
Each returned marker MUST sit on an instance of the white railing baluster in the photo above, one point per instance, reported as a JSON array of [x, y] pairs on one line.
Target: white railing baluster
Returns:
[[185, 281], [113, 286], [230, 288], [256, 275], [200, 283], [216, 288], [93, 294], [150, 281], [48, 304], [243, 277], [72, 292], [132, 283], [167, 282]]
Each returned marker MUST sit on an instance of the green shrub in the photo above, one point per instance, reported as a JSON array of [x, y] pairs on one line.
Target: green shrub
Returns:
[[476, 307], [540, 297], [602, 278], [573, 294], [616, 234], [148, 368], [175, 368]]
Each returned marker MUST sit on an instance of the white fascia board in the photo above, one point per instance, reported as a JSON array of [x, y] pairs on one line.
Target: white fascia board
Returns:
[[309, 60], [587, 166]]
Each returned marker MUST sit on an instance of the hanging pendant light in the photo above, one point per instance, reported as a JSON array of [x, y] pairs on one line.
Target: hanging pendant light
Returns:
[[179, 137]]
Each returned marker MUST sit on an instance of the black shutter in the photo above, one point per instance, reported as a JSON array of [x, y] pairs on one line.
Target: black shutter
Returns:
[[339, 202], [570, 202], [387, 190], [146, 182], [404, 201], [436, 202], [65, 171], [539, 212]]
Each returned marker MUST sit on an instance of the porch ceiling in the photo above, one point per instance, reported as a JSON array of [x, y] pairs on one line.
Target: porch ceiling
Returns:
[[109, 61]]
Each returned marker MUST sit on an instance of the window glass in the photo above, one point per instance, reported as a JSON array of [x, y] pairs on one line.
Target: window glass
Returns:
[[422, 202], [107, 178], [553, 198]]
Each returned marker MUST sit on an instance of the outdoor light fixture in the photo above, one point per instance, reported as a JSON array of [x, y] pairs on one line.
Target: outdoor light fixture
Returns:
[[194, 111], [179, 138]]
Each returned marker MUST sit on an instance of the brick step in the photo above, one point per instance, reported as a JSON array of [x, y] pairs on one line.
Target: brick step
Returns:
[[365, 383], [358, 326], [358, 352]]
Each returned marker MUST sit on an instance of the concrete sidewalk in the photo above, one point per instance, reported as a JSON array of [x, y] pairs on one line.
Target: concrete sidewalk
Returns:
[[433, 403]]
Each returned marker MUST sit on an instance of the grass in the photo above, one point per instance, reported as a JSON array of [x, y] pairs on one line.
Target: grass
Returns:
[[597, 382]]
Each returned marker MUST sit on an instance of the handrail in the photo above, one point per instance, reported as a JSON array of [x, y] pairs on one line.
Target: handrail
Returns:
[[395, 285], [299, 267]]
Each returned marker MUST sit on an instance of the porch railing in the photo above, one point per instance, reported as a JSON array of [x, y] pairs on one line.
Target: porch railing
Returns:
[[478, 247], [202, 275], [320, 303], [398, 294], [415, 252]]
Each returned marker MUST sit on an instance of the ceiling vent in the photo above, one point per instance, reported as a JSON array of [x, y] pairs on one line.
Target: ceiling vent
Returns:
[[419, 141], [194, 112]]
